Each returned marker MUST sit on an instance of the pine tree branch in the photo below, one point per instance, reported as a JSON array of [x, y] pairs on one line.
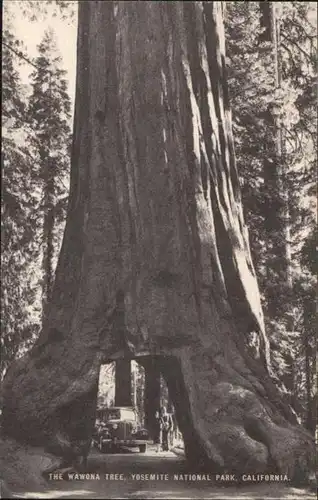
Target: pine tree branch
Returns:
[[293, 42], [26, 59], [19, 54]]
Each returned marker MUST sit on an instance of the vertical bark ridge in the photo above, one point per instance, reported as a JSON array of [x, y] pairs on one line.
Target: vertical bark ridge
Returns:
[[68, 272]]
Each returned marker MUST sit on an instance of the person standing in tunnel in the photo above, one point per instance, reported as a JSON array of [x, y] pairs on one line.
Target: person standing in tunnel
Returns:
[[173, 430], [166, 425], [158, 431]]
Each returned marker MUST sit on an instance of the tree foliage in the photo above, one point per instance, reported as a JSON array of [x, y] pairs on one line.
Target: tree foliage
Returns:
[[18, 247], [49, 119], [36, 140], [255, 100], [37, 10]]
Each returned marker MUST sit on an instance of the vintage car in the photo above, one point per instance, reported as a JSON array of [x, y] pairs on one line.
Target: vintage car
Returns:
[[118, 427]]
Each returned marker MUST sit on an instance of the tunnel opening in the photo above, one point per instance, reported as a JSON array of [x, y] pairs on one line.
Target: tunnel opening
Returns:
[[136, 388], [122, 383]]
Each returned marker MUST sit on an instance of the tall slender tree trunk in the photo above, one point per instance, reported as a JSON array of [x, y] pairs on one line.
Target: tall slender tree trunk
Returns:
[[48, 222], [48, 239], [123, 386], [277, 211], [155, 259], [152, 393], [277, 226]]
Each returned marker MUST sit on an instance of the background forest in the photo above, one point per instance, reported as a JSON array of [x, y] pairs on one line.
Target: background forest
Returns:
[[273, 90]]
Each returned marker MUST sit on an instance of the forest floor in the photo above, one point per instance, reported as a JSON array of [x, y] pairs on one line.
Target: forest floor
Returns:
[[22, 480]]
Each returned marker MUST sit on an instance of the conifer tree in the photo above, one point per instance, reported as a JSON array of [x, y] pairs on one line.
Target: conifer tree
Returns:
[[23, 198], [18, 249], [49, 117], [292, 105]]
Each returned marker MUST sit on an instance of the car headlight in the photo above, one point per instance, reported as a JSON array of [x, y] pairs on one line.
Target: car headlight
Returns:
[[115, 426]]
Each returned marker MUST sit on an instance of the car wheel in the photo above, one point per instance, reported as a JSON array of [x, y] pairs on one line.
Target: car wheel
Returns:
[[142, 448]]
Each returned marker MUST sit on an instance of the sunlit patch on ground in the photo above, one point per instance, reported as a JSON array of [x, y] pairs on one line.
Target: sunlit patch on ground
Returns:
[[57, 494]]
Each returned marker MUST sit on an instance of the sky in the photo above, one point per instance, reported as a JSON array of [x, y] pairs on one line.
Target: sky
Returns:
[[31, 34]]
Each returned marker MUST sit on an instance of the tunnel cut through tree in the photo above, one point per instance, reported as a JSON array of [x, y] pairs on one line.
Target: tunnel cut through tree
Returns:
[[155, 259]]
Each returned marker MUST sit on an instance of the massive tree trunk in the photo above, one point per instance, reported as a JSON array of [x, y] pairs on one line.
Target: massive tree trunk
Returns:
[[155, 258]]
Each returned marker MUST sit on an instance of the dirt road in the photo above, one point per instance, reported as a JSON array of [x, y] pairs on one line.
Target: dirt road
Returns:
[[133, 475]]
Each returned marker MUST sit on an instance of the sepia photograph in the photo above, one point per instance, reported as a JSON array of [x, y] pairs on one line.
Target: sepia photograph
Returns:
[[158, 250]]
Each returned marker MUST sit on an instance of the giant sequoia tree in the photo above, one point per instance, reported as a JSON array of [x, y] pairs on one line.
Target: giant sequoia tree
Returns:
[[155, 259]]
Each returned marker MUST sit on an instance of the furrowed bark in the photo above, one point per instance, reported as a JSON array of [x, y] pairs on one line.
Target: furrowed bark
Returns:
[[155, 259]]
